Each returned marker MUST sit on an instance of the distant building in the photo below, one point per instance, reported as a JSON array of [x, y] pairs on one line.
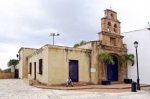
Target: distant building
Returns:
[[143, 37], [23, 63], [55, 64]]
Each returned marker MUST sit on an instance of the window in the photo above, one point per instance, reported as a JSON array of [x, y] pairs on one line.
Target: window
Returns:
[[40, 66], [111, 16], [115, 27], [108, 26], [30, 68], [112, 41]]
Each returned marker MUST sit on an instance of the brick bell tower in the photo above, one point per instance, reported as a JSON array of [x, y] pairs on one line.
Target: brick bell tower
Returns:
[[110, 30], [111, 41]]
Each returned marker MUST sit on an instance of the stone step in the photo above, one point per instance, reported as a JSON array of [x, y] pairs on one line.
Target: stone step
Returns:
[[117, 82]]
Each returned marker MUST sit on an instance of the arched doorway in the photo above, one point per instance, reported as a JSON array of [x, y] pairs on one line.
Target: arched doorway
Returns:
[[112, 70]]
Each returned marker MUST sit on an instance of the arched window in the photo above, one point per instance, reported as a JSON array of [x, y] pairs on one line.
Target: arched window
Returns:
[[112, 16], [108, 26], [115, 27]]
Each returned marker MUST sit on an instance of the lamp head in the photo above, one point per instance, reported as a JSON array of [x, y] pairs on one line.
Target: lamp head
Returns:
[[136, 44]]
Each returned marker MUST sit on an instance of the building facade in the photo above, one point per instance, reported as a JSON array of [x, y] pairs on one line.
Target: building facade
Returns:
[[23, 62], [143, 37], [54, 64]]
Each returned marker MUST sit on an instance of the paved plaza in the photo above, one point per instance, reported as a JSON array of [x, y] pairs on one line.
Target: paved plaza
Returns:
[[18, 89]]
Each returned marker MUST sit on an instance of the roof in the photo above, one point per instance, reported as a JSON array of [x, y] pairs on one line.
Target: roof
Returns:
[[26, 48], [58, 47], [137, 30], [110, 10]]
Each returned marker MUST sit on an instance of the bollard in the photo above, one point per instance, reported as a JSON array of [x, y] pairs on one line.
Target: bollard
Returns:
[[133, 87]]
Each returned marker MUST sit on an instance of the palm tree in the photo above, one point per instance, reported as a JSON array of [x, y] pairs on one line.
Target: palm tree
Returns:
[[106, 58], [127, 59]]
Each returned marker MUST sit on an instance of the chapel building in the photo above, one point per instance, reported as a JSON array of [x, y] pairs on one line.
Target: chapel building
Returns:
[[54, 64]]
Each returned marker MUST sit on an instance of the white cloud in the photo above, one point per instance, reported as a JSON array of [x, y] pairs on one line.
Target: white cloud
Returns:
[[7, 52], [29, 22], [134, 14]]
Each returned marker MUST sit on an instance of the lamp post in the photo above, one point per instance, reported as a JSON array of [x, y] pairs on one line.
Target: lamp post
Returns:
[[53, 35], [18, 56], [138, 79]]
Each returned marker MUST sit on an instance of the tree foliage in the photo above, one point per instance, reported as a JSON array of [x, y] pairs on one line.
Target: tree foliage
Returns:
[[128, 59], [76, 45], [13, 62], [106, 57], [1, 70], [8, 70], [80, 43]]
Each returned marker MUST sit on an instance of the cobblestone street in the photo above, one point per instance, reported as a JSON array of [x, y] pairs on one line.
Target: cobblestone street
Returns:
[[18, 89]]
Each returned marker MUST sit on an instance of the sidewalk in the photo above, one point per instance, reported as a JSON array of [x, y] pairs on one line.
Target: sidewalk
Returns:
[[96, 88], [20, 89]]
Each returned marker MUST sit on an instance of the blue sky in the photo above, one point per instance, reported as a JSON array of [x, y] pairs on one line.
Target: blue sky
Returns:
[[28, 23]]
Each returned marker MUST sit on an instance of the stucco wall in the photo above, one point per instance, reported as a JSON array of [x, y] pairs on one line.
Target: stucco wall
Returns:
[[23, 63], [96, 72], [41, 53], [86, 46], [143, 37], [56, 64], [59, 63]]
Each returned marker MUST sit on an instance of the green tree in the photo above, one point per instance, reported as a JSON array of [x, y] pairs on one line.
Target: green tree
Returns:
[[107, 59], [8, 70], [76, 45], [80, 43], [1, 70], [127, 59], [12, 62]]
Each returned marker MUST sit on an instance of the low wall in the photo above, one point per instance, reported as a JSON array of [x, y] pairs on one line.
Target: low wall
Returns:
[[6, 75]]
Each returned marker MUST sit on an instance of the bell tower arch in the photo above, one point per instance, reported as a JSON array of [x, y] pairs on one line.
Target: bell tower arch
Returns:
[[111, 42], [110, 30], [110, 23]]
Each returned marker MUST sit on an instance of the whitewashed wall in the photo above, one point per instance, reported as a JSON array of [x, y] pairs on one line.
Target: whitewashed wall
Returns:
[[143, 37]]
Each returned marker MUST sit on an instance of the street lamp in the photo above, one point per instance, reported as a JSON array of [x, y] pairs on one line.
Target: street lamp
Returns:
[[53, 35], [138, 79], [18, 56]]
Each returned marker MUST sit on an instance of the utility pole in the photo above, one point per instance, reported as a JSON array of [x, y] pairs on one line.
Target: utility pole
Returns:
[[53, 35]]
